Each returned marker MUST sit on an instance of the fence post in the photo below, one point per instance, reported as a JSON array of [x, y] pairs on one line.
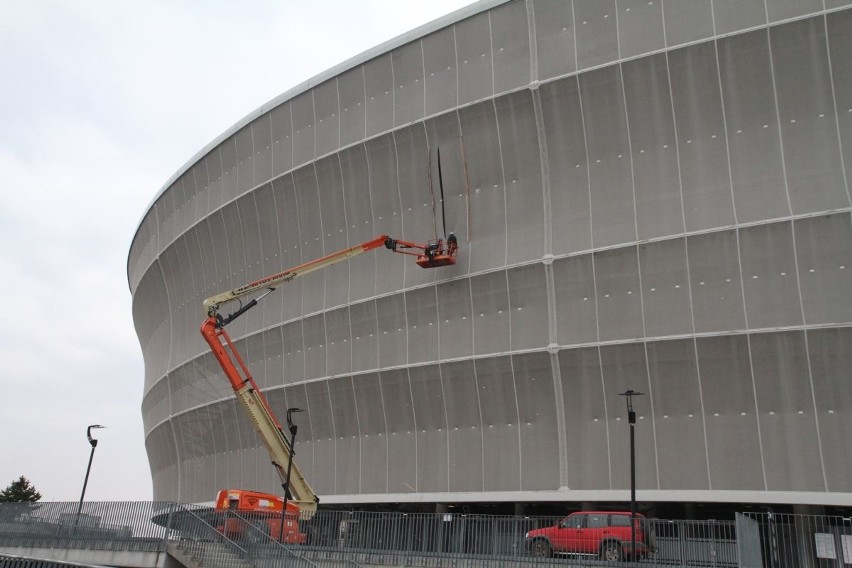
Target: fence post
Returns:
[[168, 533], [748, 542]]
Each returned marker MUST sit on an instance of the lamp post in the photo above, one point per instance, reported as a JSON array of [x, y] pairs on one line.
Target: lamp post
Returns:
[[631, 420], [94, 444], [293, 429]]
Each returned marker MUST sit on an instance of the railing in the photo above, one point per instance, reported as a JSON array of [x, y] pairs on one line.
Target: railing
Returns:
[[197, 533], [791, 541], [209, 537], [678, 543], [99, 526], [695, 543]]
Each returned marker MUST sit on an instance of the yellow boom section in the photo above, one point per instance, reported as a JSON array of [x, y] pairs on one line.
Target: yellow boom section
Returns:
[[211, 304], [279, 449]]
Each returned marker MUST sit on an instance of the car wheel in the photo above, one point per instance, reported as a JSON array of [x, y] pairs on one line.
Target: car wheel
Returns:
[[541, 549], [611, 551]]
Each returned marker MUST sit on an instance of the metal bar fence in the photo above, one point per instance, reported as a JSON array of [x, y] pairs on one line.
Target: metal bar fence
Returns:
[[352, 537], [97, 526], [405, 536], [775, 540], [205, 537]]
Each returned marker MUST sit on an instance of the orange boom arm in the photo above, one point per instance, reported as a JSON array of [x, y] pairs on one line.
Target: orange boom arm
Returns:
[[434, 254]]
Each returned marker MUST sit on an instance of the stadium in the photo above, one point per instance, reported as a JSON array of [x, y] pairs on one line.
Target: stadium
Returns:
[[647, 195]]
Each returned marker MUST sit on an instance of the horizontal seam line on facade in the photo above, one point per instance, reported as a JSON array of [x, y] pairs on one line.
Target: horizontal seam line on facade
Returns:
[[532, 85]]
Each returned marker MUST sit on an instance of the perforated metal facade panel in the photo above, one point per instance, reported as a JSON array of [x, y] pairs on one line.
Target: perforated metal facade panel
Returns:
[[648, 195]]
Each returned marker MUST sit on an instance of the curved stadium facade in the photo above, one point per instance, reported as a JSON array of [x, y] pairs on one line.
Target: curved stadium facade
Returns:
[[648, 195]]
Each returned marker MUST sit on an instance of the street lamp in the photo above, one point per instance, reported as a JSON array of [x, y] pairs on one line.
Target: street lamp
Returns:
[[94, 444], [631, 420], [293, 429]]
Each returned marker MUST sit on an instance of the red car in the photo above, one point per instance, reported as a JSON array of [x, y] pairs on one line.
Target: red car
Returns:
[[604, 534]]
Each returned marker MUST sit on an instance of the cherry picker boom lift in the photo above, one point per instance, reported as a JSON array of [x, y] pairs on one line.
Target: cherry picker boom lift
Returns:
[[433, 254]]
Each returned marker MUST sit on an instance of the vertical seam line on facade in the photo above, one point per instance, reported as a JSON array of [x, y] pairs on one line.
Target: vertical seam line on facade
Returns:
[[446, 415], [712, 20], [561, 427], [518, 421], [849, 200], [778, 120], [210, 237], [469, 262], [334, 434], [321, 226], [491, 48], [836, 114], [466, 186], [652, 414], [793, 231], [339, 124], [402, 230], [384, 409], [808, 355], [514, 381], [725, 131], [751, 362], [618, 36], [502, 164], [686, 252], [686, 249], [505, 198], [325, 311], [292, 138], [456, 54], [638, 258], [314, 125], [589, 187], [349, 298], [174, 430], [739, 257], [232, 401], [364, 82], [481, 427], [594, 274], [261, 335], [393, 92], [314, 436], [606, 415], [280, 252], [415, 428], [529, 10], [576, 58], [552, 327], [423, 66], [220, 210], [298, 247], [372, 226], [358, 425], [440, 374]]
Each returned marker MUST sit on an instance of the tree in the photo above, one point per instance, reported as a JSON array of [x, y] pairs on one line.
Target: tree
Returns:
[[20, 491]]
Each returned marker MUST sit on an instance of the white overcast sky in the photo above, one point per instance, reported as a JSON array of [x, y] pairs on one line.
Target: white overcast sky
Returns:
[[101, 101]]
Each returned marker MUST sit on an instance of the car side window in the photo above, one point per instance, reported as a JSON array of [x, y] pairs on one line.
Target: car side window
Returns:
[[574, 522], [597, 521], [620, 521]]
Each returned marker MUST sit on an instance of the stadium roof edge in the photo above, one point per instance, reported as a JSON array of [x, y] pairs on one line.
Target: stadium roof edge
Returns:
[[398, 41]]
